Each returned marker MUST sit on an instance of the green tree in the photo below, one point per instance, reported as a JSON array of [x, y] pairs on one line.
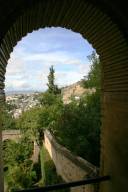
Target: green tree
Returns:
[[34, 121], [52, 88], [93, 79], [47, 98], [8, 120], [79, 125], [20, 177], [29, 125], [17, 152], [18, 166]]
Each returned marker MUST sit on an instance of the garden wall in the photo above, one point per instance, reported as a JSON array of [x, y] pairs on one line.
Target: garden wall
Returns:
[[68, 166]]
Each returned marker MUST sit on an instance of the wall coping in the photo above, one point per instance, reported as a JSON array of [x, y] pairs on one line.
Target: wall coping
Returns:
[[11, 132], [77, 160]]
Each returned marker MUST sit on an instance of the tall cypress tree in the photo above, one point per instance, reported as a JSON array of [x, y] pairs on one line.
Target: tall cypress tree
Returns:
[[52, 88], [51, 79]]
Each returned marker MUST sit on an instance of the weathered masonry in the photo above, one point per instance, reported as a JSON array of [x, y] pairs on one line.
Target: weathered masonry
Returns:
[[11, 135], [104, 23], [68, 166]]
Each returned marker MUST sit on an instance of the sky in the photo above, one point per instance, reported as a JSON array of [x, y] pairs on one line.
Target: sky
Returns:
[[29, 63]]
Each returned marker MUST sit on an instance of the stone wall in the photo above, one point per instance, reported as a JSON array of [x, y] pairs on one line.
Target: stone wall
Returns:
[[68, 166], [11, 134]]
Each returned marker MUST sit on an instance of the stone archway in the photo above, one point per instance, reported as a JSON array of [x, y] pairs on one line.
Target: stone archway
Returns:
[[106, 37]]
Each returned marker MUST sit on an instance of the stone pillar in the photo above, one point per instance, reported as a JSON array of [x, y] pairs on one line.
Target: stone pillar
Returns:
[[114, 131]]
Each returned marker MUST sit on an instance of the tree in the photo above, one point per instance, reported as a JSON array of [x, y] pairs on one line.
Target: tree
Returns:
[[47, 98], [8, 120], [28, 123], [79, 125], [93, 79], [17, 152], [52, 88], [18, 166]]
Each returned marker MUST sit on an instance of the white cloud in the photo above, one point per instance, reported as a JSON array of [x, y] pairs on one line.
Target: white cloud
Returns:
[[29, 64], [54, 58], [15, 66], [18, 84], [84, 69], [19, 75], [67, 78]]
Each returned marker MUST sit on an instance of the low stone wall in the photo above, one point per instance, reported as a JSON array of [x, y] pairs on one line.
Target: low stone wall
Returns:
[[11, 135], [68, 166]]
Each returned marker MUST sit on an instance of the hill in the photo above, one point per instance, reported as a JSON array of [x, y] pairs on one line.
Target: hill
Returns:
[[75, 90]]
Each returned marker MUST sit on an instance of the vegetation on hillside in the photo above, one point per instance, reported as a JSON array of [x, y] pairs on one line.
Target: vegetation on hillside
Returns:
[[18, 167], [8, 121], [78, 127]]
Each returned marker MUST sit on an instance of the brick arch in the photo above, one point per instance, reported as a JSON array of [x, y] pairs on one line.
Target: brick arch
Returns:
[[106, 37]]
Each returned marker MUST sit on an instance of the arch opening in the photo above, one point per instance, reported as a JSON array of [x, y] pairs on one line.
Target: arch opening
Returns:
[[54, 61]]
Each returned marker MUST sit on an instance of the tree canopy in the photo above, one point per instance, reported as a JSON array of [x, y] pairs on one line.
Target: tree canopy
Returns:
[[52, 87], [93, 79], [8, 120]]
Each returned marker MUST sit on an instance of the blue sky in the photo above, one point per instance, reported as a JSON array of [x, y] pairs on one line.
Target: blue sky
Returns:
[[28, 66]]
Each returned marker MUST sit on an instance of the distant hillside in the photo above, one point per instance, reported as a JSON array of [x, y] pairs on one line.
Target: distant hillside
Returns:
[[23, 98], [76, 90]]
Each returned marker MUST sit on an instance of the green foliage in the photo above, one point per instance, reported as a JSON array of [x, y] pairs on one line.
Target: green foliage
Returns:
[[28, 122], [8, 120], [20, 177], [49, 169], [16, 153], [42, 160], [19, 170], [10, 106], [93, 79], [52, 88], [34, 121], [47, 99], [49, 114], [79, 126]]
